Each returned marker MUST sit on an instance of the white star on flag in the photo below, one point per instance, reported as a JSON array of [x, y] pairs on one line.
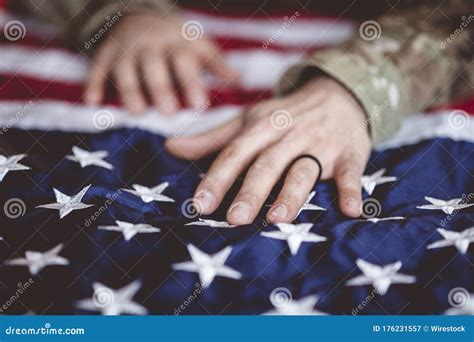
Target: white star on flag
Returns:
[[208, 266], [129, 230], [301, 307], [36, 261], [66, 204], [211, 223], [378, 219], [369, 182], [112, 302], [86, 158], [294, 234], [460, 240], [381, 277], [448, 207], [308, 205], [11, 164], [150, 194]]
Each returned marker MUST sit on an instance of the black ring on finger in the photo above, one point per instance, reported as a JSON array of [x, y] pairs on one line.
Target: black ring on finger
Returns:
[[313, 158]]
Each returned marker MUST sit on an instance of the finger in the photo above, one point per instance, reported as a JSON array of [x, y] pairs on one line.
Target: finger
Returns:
[[298, 184], [348, 172], [187, 68], [197, 146], [218, 66], [235, 157], [128, 85], [97, 77], [259, 182], [159, 83]]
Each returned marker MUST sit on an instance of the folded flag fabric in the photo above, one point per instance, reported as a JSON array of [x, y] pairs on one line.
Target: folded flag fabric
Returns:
[[97, 217]]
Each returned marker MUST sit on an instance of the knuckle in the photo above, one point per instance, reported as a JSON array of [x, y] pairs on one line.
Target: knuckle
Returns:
[[210, 45], [183, 59], [288, 198], [293, 139], [257, 127], [97, 71], [264, 164], [260, 110], [320, 134], [160, 86], [206, 48], [125, 82], [348, 192], [212, 182], [208, 184], [92, 81], [231, 153], [180, 53], [348, 173], [253, 113], [193, 83], [247, 196], [300, 174]]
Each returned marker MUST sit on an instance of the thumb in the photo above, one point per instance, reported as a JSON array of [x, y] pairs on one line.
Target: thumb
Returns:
[[198, 146]]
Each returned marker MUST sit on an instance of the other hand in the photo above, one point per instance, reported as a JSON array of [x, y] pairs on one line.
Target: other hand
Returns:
[[147, 51]]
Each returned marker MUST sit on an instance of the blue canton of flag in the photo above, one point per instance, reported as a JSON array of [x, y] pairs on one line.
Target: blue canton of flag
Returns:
[[94, 241]]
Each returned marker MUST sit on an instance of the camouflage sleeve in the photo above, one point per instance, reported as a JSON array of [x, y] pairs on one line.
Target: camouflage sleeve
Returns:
[[84, 22], [400, 64]]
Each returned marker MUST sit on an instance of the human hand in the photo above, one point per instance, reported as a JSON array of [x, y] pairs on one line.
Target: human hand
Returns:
[[152, 50], [317, 119]]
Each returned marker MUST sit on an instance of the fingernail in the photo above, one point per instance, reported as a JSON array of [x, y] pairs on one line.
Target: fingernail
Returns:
[[280, 211], [204, 200], [352, 202], [240, 211]]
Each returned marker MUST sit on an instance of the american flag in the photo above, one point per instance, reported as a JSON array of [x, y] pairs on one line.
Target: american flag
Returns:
[[96, 216]]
